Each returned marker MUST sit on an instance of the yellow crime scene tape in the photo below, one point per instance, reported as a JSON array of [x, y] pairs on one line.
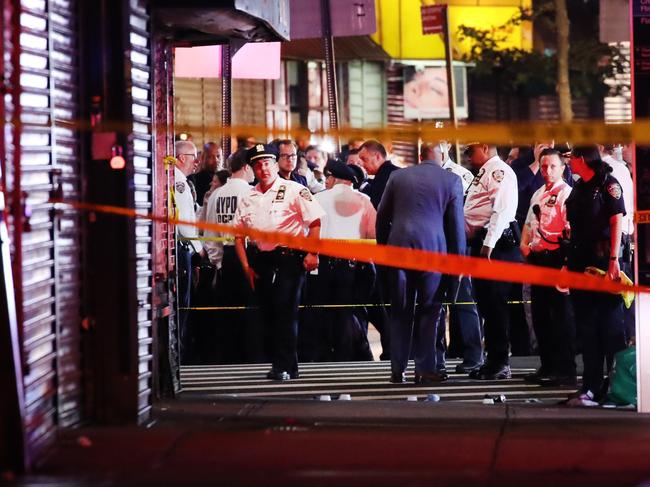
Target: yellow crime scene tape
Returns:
[[583, 132], [392, 256]]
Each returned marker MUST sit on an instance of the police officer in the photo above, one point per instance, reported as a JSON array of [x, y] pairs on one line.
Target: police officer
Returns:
[[276, 273], [464, 321], [595, 211], [187, 250], [613, 157], [349, 215], [233, 289], [422, 208], [542, 238], [492, 233], [465, 175]]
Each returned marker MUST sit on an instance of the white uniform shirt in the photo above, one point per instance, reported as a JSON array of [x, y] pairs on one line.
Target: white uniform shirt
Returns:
[[491, 200], [623, 176], [286, 207], [466, 176], [185, 208], [349, 214], [221, 208], [552, 216]]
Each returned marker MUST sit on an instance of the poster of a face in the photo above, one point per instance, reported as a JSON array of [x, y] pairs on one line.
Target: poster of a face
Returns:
[[425, 92]]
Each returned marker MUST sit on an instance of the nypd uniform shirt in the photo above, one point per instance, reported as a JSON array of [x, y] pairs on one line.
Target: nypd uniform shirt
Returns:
[[552, 216], [286, 207], [622, 174], [465, 175], [491, 201], [221, 208], [185, 206], [349, 214], [589, 208]]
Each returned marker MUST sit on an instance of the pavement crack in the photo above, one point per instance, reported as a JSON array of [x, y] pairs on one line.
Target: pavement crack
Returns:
[[499, 439]]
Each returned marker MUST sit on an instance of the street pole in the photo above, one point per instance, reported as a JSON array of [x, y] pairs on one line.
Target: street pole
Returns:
[[226, 99], [330, 71], [451, 85]]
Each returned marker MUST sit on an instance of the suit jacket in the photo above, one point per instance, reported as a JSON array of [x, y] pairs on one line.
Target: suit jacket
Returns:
[[422, 208], [375, 188]]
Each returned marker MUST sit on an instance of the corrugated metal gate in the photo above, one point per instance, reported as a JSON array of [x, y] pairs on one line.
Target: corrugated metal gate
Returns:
[[43, 104], [142, 147]]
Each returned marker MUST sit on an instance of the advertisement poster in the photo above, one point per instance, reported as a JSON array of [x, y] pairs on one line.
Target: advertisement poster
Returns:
[[425, 93]]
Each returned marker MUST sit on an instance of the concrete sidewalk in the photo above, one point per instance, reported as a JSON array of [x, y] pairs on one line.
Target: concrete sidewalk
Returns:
[[273, 442]]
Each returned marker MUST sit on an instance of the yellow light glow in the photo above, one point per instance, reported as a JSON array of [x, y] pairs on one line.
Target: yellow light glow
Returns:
[[399, 26]]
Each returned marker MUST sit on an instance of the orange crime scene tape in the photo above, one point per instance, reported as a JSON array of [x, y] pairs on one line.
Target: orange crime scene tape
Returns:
[[388, 255]]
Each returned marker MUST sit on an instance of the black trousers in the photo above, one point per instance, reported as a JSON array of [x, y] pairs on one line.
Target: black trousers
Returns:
[[184, 279], [378, 315], [344, 334], [280, 278], [233, 326], [553, 321], [599, 318], [492, 299]]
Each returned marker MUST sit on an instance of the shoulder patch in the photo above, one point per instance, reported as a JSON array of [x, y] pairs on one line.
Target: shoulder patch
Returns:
[[498, 175], [614, 189], [306, 194], [180, 186]]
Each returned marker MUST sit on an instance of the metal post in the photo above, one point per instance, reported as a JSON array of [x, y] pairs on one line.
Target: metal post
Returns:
[[451, 84], [330, 72], [226, 99], [451, 88]]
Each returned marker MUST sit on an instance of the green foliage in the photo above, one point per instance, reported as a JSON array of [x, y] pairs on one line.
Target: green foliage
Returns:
[[534, 73]]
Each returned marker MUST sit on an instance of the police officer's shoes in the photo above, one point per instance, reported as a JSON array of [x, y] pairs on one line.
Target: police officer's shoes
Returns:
[[491, 372], [427, 379], [398, 378], [281, 375], [467, 368]]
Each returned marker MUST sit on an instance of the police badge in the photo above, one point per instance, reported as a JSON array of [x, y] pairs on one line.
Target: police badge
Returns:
[[498, 175], [305, 194], [180, 187], [615, 191]]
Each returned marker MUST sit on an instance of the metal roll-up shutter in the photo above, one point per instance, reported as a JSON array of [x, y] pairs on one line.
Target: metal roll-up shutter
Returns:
[[141, 146], [47, 247], [407, 150], [67, 179]]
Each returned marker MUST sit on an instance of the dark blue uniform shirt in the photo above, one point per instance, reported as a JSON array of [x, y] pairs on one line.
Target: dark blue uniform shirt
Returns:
[[589, 207]]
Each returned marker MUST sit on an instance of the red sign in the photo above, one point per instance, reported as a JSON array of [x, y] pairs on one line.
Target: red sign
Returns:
[[433, 19]]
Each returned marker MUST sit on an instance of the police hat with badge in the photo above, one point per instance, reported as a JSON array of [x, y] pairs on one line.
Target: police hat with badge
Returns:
[[261, 151], [340, 170]]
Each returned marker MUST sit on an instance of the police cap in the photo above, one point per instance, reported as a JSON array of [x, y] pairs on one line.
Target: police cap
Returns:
[[339, 170], [261, 151]]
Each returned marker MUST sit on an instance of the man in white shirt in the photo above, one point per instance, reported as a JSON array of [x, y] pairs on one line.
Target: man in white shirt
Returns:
[[276, 273], [544, 231], [187, 251], [349, 214], [492, 233], [232, 286]]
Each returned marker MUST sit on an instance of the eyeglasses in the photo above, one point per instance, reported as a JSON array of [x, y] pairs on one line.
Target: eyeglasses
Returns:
[[193, 155], [288, 156]]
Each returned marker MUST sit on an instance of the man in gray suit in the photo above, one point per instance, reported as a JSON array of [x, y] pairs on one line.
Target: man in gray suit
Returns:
[[421, 208]]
